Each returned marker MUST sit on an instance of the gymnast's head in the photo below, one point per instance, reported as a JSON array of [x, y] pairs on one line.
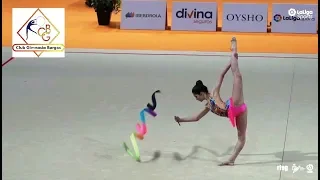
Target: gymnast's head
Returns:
[[200, 91]]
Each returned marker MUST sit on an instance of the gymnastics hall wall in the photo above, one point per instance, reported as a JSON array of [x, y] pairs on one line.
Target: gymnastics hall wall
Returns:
[[82, 31]]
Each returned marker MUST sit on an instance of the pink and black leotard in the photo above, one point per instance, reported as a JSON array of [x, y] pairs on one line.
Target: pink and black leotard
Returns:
[[230, 111]]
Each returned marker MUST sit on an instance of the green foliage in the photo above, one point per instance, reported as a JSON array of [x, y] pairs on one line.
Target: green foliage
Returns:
[[106, 5]]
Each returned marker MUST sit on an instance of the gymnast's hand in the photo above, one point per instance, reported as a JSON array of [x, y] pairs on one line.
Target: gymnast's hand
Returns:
[[177, 119]]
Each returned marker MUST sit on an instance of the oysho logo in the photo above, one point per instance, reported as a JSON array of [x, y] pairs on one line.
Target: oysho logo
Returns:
[[199, 17], [245, 17]]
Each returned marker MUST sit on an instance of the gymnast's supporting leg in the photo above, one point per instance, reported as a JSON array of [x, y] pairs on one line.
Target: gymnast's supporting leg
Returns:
[[241, 127], [237, 96]]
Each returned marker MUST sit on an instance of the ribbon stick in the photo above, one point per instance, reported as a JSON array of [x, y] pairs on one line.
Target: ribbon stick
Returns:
[[136, 154], [154, 101]]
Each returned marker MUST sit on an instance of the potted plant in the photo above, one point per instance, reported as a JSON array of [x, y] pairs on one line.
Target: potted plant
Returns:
[[104, 9], [88, 3]]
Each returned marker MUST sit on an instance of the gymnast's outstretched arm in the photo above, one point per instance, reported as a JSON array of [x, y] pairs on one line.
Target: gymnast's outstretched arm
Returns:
[[193, 118], [216, 89]]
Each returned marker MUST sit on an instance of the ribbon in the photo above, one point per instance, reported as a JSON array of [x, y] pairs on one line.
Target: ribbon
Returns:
[[141, 128], [143, 117], [151, 112], [136, 153], [154, 101], [141, 131]]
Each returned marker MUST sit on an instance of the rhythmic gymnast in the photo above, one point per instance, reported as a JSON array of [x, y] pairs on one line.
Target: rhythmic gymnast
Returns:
[[220, 108]]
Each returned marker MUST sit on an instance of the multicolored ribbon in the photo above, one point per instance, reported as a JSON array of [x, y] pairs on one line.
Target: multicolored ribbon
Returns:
[[141, 129]]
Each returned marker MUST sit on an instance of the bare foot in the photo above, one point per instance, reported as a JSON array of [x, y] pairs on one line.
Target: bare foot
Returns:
[[234, 47], [233, 44], [227, 163]]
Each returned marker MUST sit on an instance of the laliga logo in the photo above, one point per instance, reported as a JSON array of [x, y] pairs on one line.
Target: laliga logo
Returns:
[[292, 12], [300, 13]]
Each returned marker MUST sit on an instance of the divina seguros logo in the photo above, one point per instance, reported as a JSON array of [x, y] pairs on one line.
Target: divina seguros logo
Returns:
[[199, 17], [245, 17]]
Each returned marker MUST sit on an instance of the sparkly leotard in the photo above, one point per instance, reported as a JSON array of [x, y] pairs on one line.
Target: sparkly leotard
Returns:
[[217, 110]]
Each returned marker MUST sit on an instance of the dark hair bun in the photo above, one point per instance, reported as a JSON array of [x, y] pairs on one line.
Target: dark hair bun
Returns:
[[199, 83]]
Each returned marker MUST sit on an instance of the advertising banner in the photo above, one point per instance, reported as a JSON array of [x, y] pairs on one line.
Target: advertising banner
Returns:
[[143, 15], [294, 18], [242, 17], [194, 16]]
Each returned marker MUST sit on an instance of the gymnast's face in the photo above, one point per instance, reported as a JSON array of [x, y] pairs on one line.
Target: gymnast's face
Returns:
[[200, 97]]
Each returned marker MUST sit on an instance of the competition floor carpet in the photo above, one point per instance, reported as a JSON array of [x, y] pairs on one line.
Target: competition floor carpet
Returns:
[[66, 119]]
